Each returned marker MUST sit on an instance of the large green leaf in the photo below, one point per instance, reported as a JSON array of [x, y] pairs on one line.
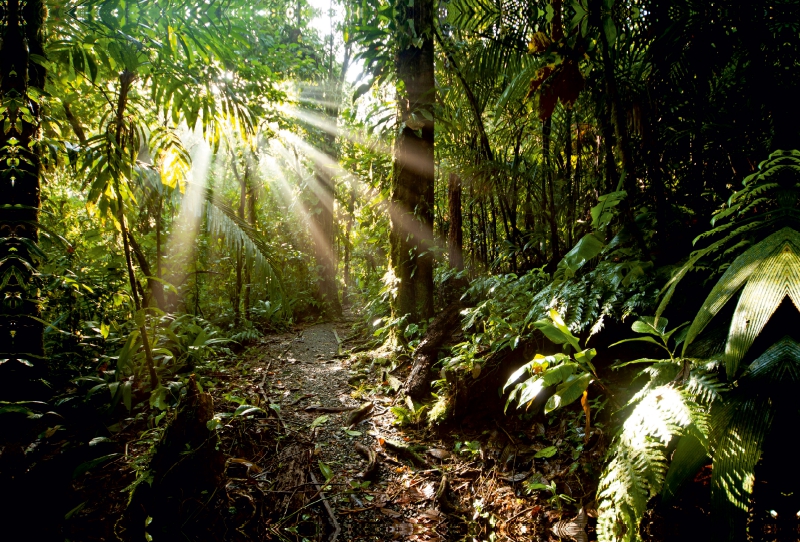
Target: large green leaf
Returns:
[[568, 392], [735, 277], [775, 278], [777, 368], [587, 248], [690, 454]]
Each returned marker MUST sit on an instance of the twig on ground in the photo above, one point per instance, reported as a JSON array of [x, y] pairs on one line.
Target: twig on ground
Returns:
[[328, 507]]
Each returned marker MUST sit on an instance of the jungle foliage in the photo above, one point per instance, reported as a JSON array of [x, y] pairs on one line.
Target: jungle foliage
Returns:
[[180, 179]]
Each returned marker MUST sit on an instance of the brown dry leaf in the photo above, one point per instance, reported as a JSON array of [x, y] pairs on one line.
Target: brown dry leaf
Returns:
[[400, 529], [389, 512], [539, 42], [431, 513], [439, 453], [515, 477], [249, 464]]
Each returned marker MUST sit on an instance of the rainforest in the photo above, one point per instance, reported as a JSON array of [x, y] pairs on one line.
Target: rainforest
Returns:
[[424, 270]]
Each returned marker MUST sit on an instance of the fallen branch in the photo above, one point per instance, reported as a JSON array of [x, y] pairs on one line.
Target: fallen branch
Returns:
[[336, 528], [360, 414], [406, 452], [320, 408]]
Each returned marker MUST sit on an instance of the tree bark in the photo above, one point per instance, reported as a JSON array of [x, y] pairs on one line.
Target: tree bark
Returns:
[[322, 213], [418, 383], [126, 79], [455, 236], [411, 207], [156, 288]]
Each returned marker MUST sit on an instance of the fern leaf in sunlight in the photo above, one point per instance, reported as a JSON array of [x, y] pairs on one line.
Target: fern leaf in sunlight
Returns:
[[638, 464]]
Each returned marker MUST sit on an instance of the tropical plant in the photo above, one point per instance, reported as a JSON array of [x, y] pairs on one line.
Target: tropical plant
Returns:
[[569, 374], [685, 406]]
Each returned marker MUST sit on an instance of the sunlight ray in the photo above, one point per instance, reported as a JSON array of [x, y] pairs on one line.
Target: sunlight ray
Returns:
[[180, 246]]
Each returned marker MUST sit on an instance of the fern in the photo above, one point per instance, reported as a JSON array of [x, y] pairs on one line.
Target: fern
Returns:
[[638, 459], [223, 222]]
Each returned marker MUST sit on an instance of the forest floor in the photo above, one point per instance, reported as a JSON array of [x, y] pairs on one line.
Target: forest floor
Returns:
[[314, 452], [455, 483]]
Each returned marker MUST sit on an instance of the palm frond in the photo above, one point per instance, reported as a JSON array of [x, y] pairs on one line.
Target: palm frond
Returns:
[[222, 221], [739, 272], [737, 448], [778, 276]]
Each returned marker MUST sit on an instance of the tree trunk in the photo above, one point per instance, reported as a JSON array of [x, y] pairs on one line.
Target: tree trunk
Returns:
[[418, 383], [411, 208], [126, 79], [251, 219], [240, 259], [348, 243], [155, 287], [455, 238], [21, 336], [568, 174]]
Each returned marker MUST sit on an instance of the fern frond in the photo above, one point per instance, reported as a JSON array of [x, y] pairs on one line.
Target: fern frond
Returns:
[[705, 387], [639, 460]]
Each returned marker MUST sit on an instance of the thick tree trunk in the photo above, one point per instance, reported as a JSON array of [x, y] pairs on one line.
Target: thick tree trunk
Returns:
[[411, 209], [240, 259], [21, 344], [322, 213], [186, 468], [324, 235], [348, 243], [418, 383]]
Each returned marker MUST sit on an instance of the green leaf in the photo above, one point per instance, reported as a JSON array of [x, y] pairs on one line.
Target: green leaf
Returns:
[[739, 430], [639, 339], [546, 453], [735, 276], [559, 373], [244, 410], [649, 324], [326, 471], [584, 250], [88, 465], [158, 398], [568, 392], [690, 454], [319, 421]]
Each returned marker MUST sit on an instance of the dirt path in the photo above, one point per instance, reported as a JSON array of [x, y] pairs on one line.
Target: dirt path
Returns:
[[310, 379]]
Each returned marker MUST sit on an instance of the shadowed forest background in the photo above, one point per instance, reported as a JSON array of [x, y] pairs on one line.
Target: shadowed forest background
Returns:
[[534, 256]]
